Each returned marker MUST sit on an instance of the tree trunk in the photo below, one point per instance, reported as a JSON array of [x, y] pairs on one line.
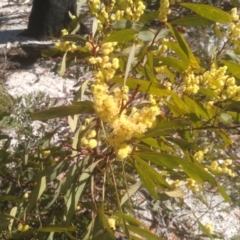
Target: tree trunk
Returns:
[[49, 17]]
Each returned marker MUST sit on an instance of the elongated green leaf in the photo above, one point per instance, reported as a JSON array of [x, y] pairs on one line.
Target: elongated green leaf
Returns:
[[196, 107], [166, 127], [36, 193], [178, 102], [143, 233], [174, 63], [130, 220], [120, 36], [207, 92], [101, 228], [72, 121], [184, 46], [146, 35], [51, 172], [155, 176], [145, 86], [227, 140], [193, 170], [179, 51], [209, 12], [124, 24], [150, 141], [192, 20], [177, 193], [12, 214], [77, 190], [129, 63], [11, 198], [131, 191], [88, 235], [55, 112], [57, 228], [63, 65], [233, 67], [148, 183], [183, 144]]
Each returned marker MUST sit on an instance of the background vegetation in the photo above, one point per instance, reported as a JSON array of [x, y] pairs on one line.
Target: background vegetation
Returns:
[[157, 117]]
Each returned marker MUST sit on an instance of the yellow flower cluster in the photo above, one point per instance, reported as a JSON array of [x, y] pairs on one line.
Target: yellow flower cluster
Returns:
[[163, 10], [94, 3], [234, 27], [134, 9], [191, 83], [209, 228], [108, 65], [117, 16], [124, 127], [66, 46], [223, 169], [199, 155], [89, 141], [175, 184], [192, 185], [108, 47], [112, 223], [223, 85], [23, 227], [64, 32]]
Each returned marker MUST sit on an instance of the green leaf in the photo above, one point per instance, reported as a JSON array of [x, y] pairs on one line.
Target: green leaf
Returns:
[[126, 24], [57, 228], [12, 214], [165, 128], [192, 20], [184, 46], [179, 51], [131, 191], [155, 176], [77, 190], [148, 183], [120, 36], [227, 140], [233, 67], [63, 65], [145, 86], [51, 172], [173, 62], [146, 35], [183, 144], [207, 92], [36, 194], [101, 228], [129, 63], [196, 107], [177, 193], [11, 198], [193, 170], [209, 12], [224, 193], [146, 234], [55, 112], [130, 220]]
